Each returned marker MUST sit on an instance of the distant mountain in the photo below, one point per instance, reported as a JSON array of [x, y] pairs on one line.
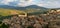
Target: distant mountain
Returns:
[[36, 7], [23, 8], [10, 7]]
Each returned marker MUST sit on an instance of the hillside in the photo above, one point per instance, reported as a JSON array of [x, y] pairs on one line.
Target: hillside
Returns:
[[6, 12]]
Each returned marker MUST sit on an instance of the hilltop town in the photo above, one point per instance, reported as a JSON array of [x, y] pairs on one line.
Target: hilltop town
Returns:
[[51, 19]]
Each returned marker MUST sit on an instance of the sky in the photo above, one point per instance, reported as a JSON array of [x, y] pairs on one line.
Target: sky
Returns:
[[24, 3]]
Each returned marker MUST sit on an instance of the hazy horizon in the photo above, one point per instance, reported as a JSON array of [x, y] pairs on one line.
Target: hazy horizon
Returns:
[[24, 3]]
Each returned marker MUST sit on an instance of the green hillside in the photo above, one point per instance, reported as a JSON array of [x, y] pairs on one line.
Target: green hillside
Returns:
[[6, 12]]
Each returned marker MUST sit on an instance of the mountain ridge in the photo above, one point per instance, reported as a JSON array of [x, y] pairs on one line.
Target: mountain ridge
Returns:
[[12, 7]]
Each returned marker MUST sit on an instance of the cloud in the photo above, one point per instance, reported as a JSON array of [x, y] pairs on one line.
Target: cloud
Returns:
[[54, 4], [49, 4], [6, 1], [25, 3], [21, 3]]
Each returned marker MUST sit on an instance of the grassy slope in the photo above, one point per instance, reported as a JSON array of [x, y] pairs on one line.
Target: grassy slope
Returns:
[[6, 12]]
